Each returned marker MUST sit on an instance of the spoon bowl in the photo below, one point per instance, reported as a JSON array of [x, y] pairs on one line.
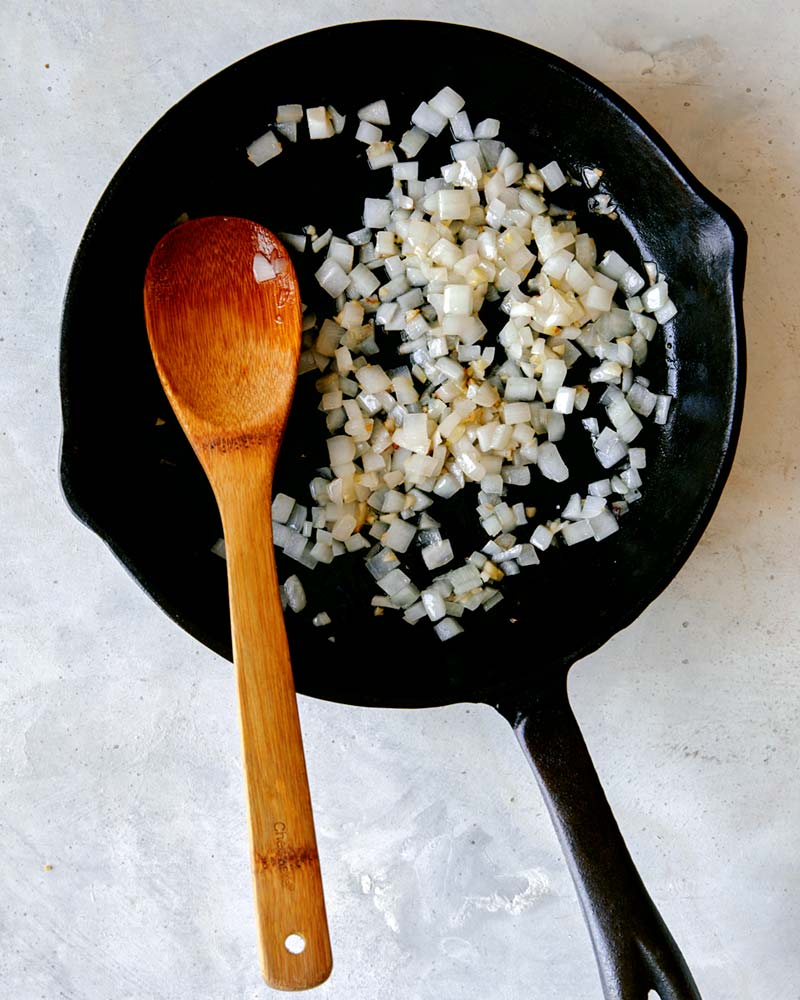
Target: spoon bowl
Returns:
[[225, 344]]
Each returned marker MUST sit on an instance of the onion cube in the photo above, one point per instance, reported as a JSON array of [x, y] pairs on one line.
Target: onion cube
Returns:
[[553, 176], [344, 528], [662, 409], [591, 176], [447, 628], [557, 264], [433, 602], [415, 613], [363, 281], [408, 171], [630, 428], [355, 542], [413, 140], [264, 148], [613, 266], [613, 453], [487, 129], [465, 578], [645, 325], [337, 120], [516, 413], [592, 506], [527, 555], [377, 213], [554, 371], [295, 595], [322, 552], [603, 525], [542, 537], [457, 300], [493, 484], [382, 563], [576, 531], [602, 487], [394, 582], [319, 123], [282, 507], [618, 485], [551, 465], [520, 389], [666, 312], [447, 102], [453, 204], [617, 408], [631, 282], [437, 554], [368, 133], [461, 127], [491, 525], [429, 119], [492, 597], [598, 298], [331, 400], [288, 129], [399, 536], [381, 154], [405, 597], [556, 425], [607, 371], [565, 400], [341, 449], [655, 297], [332, 277], [376, 113], [385, 244], [289, 113], [572, 511], [518, 475], [445, 487], [631, 478], [262, 269], [606, 440]]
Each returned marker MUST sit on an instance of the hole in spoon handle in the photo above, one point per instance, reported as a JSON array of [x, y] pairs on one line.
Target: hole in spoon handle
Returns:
[[295, 944]]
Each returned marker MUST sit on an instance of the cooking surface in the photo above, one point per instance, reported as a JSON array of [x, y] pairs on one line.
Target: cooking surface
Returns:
[[119, 744]]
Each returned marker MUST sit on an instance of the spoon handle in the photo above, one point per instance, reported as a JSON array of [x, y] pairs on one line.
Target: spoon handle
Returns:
[[294, 947]]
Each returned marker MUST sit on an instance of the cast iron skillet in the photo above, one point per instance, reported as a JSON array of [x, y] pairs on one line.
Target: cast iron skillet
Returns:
[[133, 478]]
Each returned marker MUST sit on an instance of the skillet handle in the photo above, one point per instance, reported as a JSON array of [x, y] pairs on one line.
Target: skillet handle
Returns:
[[635, 951]]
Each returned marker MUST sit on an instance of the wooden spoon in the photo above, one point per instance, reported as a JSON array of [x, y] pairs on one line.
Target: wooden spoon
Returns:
[[226, 347]]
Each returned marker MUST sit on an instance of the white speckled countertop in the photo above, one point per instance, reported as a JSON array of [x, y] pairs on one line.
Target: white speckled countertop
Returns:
[[123, 861]]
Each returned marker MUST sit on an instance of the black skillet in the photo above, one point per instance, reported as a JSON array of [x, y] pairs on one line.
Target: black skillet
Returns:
[[128, 473]]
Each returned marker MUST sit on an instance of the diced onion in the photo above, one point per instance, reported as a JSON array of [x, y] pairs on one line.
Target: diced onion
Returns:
[[453, 410], [289, 113], [429, 119], [553, 176], [447, 628], [376, 113], [295, 594], [263, 149], [319, 123], [262, 269]]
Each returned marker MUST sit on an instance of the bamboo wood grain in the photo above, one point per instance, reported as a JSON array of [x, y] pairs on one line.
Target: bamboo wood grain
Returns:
[[226, 349]]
